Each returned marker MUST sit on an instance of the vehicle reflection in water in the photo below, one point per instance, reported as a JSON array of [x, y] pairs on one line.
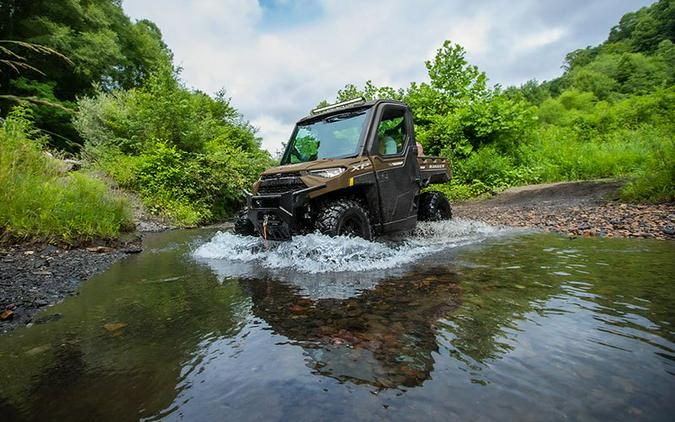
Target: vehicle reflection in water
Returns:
[[521, 327], [384, 337]]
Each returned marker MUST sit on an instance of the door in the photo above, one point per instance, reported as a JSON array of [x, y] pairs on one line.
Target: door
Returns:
[[395, 163]]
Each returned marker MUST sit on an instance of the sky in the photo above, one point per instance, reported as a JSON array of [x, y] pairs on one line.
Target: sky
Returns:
[[278, 58]]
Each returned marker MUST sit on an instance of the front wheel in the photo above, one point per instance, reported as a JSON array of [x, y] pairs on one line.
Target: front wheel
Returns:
[[344, 217], [243, 226], [434, 206]]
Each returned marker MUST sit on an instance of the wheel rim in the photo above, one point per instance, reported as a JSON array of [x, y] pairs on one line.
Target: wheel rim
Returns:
[[351, 226]]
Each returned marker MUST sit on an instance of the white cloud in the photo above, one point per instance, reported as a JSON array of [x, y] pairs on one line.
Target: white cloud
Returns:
[[276, 73], [273, 132], [539, 39]]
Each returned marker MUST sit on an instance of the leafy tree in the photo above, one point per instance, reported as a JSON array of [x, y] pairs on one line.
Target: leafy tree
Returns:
[[105, 47], [189, 155], [451, 74], [645, 29], [580, 57], [532, 91]]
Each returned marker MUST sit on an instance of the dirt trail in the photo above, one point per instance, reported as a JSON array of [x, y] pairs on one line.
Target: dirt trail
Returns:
[[587, 208]]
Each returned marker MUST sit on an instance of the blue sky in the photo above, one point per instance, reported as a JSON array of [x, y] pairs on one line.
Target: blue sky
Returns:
[[278, 58]]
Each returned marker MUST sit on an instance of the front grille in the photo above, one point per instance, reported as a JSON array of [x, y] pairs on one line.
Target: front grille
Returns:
[[278, 184], [279, 176]]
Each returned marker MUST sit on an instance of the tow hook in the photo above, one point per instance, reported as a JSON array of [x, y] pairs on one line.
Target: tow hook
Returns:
[[265, 220]]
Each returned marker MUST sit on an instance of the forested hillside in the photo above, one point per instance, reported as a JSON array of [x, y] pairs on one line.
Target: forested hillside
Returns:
[[102, 46], [610, 114], [79, 78]]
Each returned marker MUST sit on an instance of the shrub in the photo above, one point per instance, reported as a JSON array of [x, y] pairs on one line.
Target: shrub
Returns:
[[654, 180], [188, 155], [38, 199]]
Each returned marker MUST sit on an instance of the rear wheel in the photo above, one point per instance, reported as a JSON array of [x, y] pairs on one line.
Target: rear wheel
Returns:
[[243, 226], [434, 206], [344, 217]]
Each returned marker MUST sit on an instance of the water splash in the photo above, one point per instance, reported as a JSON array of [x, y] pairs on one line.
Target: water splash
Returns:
[[316, 253], [341, 267]]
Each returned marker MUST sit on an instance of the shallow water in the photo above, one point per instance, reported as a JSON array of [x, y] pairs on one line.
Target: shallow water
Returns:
[[458, 320]]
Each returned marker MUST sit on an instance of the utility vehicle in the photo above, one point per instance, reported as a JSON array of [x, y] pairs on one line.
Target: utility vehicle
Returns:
[[352, 168]]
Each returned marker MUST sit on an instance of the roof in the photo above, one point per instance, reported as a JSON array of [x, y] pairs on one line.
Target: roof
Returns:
[[357, 106]]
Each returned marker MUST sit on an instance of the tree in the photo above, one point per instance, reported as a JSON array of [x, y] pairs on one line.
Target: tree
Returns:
[[451, 74], [105, 47]]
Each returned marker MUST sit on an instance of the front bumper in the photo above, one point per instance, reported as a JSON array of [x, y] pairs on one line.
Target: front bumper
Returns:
[[283, 213]]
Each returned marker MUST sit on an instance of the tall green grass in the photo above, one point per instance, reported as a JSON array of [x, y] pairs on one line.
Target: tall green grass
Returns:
[[644, 156], [654, 179], [40, 200], [559, 154]]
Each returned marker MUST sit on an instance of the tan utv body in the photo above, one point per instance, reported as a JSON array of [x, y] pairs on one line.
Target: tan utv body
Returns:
[[362, 177]]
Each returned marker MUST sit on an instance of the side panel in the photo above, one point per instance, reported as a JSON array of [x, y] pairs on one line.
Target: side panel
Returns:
[[397, 175]]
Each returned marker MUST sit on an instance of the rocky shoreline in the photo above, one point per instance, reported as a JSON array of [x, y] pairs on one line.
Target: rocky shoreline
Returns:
[[38, 275], [35, 275], [574, 209]]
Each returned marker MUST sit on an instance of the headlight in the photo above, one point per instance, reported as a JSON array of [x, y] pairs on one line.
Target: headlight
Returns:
[[328, 173]]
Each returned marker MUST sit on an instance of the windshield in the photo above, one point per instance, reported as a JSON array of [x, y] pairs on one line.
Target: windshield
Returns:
[[334, 137]]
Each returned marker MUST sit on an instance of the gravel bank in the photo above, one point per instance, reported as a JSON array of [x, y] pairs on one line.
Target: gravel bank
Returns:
[[574, 209], [33, 277]]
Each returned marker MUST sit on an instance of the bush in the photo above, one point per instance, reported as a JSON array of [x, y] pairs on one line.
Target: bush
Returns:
[[485, 170], [188, 155], [579, 139], [457, 191], [38, 199], [655, 178], [559, 154]]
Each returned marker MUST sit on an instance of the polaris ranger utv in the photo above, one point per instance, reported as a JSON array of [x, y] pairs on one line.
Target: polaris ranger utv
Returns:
[[351, 168]]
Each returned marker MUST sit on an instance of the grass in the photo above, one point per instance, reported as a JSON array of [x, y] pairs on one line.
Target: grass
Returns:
[[654, 180], [40, 200], [644, 155]]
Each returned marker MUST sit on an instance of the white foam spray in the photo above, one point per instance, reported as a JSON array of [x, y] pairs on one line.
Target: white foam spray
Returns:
[[344, 265], [316, 253]]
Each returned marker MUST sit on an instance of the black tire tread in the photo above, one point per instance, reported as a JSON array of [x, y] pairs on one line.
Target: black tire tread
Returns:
[[434, 206], [243, 226], [328, 218]]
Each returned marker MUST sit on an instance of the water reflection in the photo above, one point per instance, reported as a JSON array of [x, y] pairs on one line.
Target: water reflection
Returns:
[[120, 347], [384, 336], [526, 327]]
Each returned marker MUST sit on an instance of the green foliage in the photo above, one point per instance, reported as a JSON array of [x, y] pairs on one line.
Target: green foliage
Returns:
[[453, 76], [456, 113], [494, 170], [39, 199], [609, 115], [645, 29], [654, 179], [101, 44], [559, 154], [189, 155], [531, 91], [456, 190]]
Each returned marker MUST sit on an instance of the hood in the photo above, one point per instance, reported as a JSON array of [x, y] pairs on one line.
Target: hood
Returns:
[[313, 165]]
